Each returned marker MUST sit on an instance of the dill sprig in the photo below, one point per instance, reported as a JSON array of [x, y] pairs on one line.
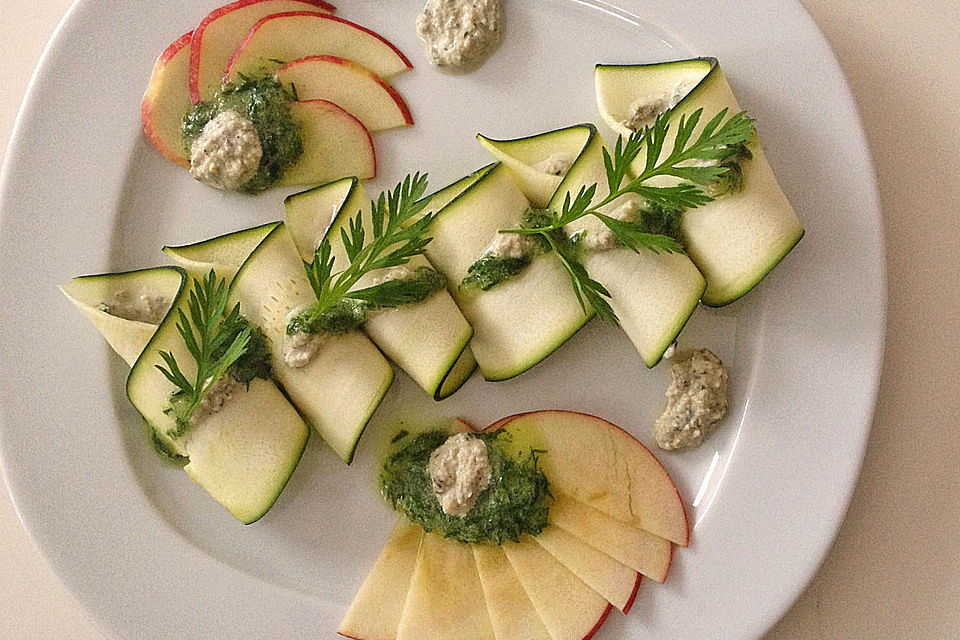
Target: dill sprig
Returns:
[[215, 339], [719, 140], [390, 244]]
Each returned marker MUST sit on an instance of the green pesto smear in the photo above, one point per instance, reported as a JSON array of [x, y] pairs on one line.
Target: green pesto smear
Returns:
[[265, 102], [732, 180], [349, 313], [490, 269], [515, 503]]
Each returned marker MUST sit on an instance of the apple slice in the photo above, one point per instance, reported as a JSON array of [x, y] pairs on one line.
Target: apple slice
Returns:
[[444, 601], [511, 611], [335, 145], [376, 610], [569, 608], [297, 34], [613, 580], [639, 550], [602, 465], [361, 92], [219, 34], [167, 100]]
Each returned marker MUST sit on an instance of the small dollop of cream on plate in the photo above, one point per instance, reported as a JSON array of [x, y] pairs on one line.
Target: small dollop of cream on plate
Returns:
[[460, 34], [698, 399]]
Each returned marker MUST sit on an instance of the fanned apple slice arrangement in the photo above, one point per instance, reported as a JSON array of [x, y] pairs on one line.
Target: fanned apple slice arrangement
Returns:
[[336, 73], [615, 516]]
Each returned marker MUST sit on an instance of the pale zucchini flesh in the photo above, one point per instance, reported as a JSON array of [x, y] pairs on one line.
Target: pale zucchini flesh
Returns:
[[224, 254], [459, 373], [341, 387], [739, 237], [652, 294], [522, 155], [128, 338], [522, 320], [619, 88], [437, 200], [243, 454], [426, 339], [148, 389], [310, 213]]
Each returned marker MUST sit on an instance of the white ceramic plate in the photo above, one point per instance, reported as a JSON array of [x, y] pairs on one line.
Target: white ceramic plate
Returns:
[[149, 555]]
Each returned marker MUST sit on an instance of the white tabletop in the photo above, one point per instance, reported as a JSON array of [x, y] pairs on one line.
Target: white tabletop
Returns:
[[894, 571]]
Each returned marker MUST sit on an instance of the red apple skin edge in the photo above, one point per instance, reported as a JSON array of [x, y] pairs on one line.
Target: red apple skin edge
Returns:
[[499, 424], [401, 103], [322, 16], [599, 624], [636, 590], [217, 13], [147, 104]]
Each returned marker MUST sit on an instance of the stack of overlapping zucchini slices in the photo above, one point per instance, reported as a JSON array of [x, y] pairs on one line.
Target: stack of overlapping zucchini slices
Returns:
[[244, 452], [729, 243]]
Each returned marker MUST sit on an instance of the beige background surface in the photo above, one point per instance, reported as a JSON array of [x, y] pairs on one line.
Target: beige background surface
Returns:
[[894, 572]]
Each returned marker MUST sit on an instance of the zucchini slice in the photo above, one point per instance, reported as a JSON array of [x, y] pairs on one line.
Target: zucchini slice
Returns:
[[244, 454], [459, 373], [339, 390], [517, 323], [619, 87], [224, 254], [442, 197], [128, 338], [738, 238], [147, 388], [653, 294], [426, 339], [522, 155]]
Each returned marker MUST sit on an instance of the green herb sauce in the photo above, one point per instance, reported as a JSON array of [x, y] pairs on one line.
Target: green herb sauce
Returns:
[[265, 102], [490, 269], [255, 361], [660, 220], [732, 180], [516, 502], [351, 312]]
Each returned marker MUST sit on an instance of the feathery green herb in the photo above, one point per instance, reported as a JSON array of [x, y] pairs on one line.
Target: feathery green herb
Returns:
[[216, 340], [701, 164], [397, 235]]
